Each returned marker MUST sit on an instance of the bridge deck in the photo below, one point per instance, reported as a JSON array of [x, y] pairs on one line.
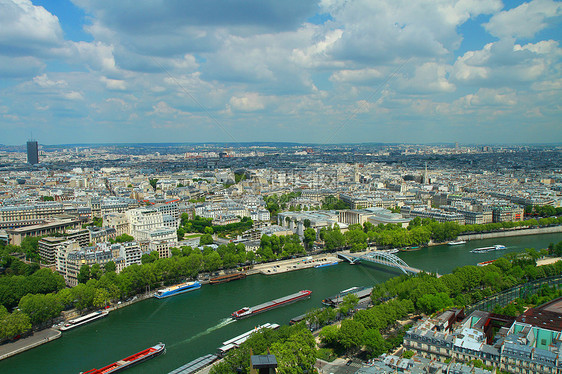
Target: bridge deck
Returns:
[[369, 257]]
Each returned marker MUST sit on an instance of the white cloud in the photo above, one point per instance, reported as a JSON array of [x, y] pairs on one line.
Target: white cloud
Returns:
[[96, 55], [114, 84], [429, 77], [356, 76], [503, 64], [524, 21], [386, 30], [249, 102], [15, 67], [163, 109], [73, 95], [273, 74], [486, 97], [45, 82], [25, 27]]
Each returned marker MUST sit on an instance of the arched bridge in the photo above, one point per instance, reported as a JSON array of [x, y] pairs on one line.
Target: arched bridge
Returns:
[[382, 258]]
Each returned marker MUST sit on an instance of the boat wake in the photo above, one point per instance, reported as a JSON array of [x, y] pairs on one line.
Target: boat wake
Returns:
[[224, 322], [162, 304]]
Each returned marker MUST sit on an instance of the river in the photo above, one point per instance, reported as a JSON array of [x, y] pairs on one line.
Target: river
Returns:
[[196, 323]]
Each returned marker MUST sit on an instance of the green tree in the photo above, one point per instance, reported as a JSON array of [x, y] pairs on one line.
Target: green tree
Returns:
[[374, 343], [349, 303], [351, 334], [153, 182], [83, 296], [329, 335], [212, 261], [181, 233], [95, 271], [297, 354], [84, 274], [40, 308], [110, 266], [29, 246], [148, 258], [206, 239], [123, 238], [101, 297], [309, 237], [13, 324]]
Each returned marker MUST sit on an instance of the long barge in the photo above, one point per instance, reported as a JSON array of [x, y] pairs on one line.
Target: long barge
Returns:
[[177, 289], [250, 311], [496, 247], [362, 293], [83, 320], [238, 340], [227, 278], [132, 360]]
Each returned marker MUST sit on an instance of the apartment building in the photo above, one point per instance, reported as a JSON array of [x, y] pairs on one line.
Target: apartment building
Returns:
[[530, 344]]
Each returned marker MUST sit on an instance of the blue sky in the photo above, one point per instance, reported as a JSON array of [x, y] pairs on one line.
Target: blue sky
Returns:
[[94, 71]]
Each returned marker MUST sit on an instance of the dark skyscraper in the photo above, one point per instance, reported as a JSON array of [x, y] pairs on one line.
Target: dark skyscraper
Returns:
[[32, 152]]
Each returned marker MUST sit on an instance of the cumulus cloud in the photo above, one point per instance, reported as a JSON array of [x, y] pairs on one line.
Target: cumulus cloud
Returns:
[[430, 77], [504, 63], [26, 28], [16, 67], [356, 76], [45, 82], [486, 97], [266, 68], [114, 84], [524, 21], [249, 102], [73, 95], [382, 31], [163, 109]]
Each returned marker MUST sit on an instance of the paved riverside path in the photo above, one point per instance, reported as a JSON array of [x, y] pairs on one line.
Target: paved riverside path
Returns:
[[22, 345]]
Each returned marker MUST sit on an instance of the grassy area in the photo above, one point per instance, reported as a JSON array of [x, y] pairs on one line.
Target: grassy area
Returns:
[[192, 236], [326, 354]]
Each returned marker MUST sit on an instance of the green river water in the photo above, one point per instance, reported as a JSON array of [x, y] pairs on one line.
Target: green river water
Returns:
[[196, 323]]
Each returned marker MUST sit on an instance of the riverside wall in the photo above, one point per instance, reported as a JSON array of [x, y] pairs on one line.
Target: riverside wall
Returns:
[[516, 232]]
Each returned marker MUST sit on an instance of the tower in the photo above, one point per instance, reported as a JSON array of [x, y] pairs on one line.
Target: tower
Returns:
[[32, 152]]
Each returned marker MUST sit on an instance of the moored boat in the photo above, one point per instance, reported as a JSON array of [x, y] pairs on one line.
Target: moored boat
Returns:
[[485, 263], [249, 311], [362, 293], [127, 362], [83, 320], [227, 278], [391, 251], [177, 289], [496, 247], [458, 242], [238, 340], [326, 264]]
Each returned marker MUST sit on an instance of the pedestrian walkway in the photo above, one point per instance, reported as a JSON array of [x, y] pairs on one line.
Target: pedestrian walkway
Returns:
[[22, 345]]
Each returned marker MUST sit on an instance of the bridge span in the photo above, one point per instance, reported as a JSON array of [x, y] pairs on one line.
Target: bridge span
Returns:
[[381, 258]]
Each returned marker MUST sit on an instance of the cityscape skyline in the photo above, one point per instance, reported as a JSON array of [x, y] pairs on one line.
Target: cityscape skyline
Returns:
[[310, 72]]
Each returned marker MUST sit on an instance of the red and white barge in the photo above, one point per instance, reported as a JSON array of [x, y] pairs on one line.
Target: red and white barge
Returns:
[[127, 362]]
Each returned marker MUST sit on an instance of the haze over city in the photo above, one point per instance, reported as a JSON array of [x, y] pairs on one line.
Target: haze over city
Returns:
[[95, 71]]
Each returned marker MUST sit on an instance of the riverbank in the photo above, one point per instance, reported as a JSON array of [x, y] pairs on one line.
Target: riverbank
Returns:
[[38, 338], [509, 233], [293, 264]]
